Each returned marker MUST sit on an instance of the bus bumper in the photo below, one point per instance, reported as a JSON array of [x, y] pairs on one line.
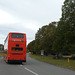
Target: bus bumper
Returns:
[[16, 61]]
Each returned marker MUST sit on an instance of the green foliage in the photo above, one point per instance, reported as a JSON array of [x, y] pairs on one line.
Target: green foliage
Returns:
[[47, 39], [64, 41], [31, 46], [56, 39], [38, 37], [43, 39]]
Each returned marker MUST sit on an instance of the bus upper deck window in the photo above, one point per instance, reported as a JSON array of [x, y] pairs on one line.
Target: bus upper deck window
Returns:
[[13, 35]]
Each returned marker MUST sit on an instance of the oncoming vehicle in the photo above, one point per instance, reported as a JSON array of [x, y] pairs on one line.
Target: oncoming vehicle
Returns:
[[15, 47]]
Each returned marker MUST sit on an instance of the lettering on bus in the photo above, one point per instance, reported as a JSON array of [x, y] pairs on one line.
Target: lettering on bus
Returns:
[[16, 40]]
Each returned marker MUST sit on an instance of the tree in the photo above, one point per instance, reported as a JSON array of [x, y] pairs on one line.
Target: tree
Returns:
[[31, 46], [43, 38], [47, 40], [39, 35], [56, 39], [65, 32]]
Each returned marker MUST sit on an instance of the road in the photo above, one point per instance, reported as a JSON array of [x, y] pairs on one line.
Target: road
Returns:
[[32, 67]]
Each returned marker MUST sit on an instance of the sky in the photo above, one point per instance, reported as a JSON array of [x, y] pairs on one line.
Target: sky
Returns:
[[27, 16]]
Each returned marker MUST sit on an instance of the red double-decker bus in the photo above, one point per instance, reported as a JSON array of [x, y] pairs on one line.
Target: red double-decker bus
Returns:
[[15, 47]]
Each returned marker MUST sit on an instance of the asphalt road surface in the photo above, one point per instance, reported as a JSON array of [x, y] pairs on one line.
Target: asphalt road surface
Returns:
[[32, 67]]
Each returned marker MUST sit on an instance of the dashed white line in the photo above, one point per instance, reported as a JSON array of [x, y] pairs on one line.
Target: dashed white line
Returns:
[[30, 71]]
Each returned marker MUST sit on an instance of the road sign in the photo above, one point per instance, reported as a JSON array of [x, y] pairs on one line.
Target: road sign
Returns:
[[42, 52]]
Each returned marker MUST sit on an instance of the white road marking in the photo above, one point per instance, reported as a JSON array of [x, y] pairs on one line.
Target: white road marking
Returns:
[[30, 71]]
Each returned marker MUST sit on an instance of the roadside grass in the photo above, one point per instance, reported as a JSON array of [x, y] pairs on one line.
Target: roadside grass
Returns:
[[58, 62], [1, 54]]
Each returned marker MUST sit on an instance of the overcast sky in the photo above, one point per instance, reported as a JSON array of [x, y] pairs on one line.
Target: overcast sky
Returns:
[[27, 16]]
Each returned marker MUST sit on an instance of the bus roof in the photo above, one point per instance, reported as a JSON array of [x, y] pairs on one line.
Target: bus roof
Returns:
[[16, 33]]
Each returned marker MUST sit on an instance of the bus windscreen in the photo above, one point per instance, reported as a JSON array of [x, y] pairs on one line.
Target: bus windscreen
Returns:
[[17, 35]]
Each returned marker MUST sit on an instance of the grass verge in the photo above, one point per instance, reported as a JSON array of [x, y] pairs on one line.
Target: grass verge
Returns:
[[58, 62], [1, 54]]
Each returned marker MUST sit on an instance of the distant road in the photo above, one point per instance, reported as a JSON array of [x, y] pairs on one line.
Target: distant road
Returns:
[[32, 67]]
